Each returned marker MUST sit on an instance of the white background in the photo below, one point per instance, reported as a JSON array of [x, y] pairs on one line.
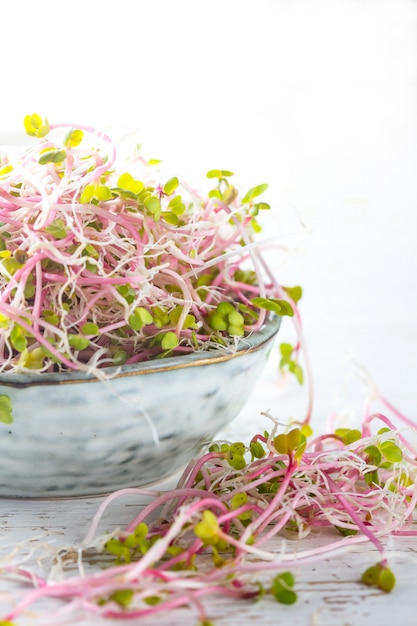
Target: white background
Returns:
[[316, 98]]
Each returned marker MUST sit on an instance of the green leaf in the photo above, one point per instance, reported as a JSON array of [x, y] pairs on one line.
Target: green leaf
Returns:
[[153, 204], [91, 267], [6, 415], [127, 292], [78, 342], [30, 287], [171, 218], [236, 330], [236, 460], [171, 185], [217, 322], [122, 597], [281, 443], [386, 580], [286, 349], [95, 192], [175, 200], [280, 307], [235, 318], [379, 576], [257, 450], [58, 229], [178, 208], [225, 308], [391, 452], [282, 588], [294, 439], [208, 529], [348, 435], [18, 339], [169, 341], [346, 532], [87, 194], [306, 430], [139, 318], [128, 183], [371, 478], [33, 359], [141, 530], [90, 329], [286, 596], [125, 180], [175, 314], [35, 126], [238, 447], [152, 600], [256, 227], [102, 193], [229, 194], [262, 206], [374, 455], [296, 369], [160, 317], [371, 575], [52, 156], [73, 138], [254, 192], [219, 174], [239, 499], [3, 172], [90, 251], [116, 547], [295, 293], [120, 357], [215, 193], [245, 276], [383, 430]]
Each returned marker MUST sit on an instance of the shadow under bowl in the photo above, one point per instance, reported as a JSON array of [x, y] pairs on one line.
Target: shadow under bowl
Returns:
[[74, 435]]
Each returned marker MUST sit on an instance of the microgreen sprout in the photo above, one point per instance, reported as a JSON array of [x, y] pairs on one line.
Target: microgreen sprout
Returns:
[[282, 588], [6, 415], [103, 264], [380, 576]]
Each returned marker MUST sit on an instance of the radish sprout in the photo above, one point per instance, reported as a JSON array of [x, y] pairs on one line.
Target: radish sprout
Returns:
[[100, 266]]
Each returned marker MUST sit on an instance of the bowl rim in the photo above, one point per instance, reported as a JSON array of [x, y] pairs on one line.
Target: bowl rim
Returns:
[[251, 343]]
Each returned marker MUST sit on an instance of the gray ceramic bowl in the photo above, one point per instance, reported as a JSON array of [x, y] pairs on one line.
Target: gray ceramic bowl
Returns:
[[73, 435]]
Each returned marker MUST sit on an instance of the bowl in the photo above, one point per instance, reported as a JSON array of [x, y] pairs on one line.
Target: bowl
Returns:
[[74, 435]]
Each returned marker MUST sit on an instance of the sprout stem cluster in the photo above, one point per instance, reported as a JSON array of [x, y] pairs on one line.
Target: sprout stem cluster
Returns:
[[102, 265]]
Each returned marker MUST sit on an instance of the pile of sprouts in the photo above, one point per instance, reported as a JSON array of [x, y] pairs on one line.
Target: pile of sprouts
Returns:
[[224, 530], [100, 268], [104, 264]]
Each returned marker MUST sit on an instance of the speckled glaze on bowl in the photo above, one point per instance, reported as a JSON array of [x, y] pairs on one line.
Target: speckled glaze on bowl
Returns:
[[73, 435]]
